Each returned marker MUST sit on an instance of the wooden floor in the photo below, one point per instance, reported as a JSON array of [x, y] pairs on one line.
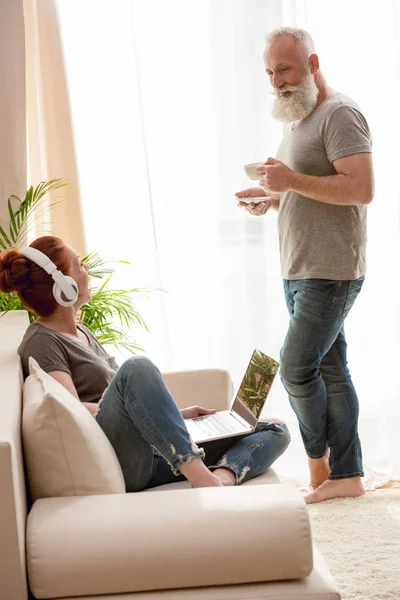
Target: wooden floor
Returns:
[[389, 488], [391, 484]]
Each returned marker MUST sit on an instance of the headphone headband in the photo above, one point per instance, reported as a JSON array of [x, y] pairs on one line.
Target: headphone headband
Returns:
[[65, 289], [40, 259]]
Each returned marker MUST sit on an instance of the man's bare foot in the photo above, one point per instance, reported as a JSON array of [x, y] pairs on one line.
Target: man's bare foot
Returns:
[[226, 476], [336, 488], [319, 471]]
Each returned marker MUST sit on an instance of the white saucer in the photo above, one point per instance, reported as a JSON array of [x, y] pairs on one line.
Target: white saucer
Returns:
[[256, 199]]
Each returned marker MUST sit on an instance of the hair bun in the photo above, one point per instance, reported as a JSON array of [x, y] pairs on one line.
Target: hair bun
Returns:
[[14, 276]]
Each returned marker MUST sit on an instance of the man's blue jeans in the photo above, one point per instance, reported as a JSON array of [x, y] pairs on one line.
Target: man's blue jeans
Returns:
[[147, 431], [314, 371]]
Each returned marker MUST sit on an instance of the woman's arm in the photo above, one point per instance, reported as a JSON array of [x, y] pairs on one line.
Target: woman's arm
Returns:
[[66, 380]]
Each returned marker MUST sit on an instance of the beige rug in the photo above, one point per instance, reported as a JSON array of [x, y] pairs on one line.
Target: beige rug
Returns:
[[360, 540]]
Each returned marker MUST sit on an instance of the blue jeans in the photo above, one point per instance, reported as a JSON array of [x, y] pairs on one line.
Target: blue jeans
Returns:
[[315, 375], [146, 429]]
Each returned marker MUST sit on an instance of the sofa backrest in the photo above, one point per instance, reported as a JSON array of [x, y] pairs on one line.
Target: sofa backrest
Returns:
[[13, 496]]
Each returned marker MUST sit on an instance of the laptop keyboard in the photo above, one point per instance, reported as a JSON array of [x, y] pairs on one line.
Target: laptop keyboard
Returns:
[[218, 424]]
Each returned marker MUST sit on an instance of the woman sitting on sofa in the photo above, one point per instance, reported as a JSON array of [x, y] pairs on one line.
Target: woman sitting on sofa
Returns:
[[137, 412]]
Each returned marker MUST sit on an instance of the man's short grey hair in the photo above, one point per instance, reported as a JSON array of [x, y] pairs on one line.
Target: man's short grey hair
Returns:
[[301, 36]]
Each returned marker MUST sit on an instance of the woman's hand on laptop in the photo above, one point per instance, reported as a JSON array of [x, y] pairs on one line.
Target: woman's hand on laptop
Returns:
[[196, 411]]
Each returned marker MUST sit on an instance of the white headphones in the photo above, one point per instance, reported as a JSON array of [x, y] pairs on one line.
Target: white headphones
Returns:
[[65, 289]]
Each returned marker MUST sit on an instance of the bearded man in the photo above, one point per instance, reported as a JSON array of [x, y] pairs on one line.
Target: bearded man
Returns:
[[321, 182]]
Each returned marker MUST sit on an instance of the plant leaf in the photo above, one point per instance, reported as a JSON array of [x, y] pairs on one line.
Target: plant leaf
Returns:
[[5, 239]]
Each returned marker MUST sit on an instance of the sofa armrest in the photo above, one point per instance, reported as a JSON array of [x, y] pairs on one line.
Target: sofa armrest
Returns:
[[122, 543], [211, 388]]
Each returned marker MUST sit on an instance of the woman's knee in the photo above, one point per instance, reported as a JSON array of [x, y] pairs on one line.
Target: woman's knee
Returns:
[[137, 366], [280, 430], [285, 437]]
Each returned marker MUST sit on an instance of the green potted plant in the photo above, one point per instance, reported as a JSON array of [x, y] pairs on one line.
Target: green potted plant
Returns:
[[110, 313]]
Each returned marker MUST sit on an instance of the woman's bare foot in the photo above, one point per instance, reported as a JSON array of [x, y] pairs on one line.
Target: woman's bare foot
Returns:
[[336, 488], [319, 471], [208, 481], [199, 475], [226, 476]]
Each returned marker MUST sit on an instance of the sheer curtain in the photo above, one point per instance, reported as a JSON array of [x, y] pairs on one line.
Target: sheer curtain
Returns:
[[49, 136], [168, 101], [36, 140]]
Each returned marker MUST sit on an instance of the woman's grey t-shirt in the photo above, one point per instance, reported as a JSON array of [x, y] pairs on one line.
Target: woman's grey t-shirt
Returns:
[[90, 367], [319, 240]]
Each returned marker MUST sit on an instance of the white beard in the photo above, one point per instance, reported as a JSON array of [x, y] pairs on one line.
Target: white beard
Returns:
[[299, 104]]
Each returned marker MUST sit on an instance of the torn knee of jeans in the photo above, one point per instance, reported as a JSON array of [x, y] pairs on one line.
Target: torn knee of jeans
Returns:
[[223, 464], [223, 461], [240, 477]]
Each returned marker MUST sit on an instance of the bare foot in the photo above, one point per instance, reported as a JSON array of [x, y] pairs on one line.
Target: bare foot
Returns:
[[212, 481], [336, 488], [199, 475], [226, 476], [319, 471]]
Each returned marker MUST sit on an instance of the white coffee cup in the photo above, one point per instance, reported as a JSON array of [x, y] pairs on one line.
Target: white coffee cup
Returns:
[[251, 171]]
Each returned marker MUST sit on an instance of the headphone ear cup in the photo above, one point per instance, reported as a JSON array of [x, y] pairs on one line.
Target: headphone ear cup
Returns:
[[59, 295]]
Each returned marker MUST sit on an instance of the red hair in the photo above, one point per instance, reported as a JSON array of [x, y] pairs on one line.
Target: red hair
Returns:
[[32, 284]]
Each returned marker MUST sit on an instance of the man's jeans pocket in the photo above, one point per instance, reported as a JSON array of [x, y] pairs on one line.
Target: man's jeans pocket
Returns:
[[353, 290]]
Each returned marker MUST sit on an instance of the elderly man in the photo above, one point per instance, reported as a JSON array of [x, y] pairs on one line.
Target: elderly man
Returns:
[[321, 182]]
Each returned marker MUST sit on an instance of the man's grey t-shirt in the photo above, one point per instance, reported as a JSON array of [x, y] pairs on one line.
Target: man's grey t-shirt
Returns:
[[319, 240], [90, 367]]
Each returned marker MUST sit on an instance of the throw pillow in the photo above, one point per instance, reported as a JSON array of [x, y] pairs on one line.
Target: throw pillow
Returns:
[[66, 451]]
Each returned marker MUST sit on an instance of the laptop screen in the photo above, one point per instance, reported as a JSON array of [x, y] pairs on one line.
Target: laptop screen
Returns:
[[255, 387]]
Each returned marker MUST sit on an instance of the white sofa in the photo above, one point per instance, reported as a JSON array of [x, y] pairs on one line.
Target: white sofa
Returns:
[[250, 542]]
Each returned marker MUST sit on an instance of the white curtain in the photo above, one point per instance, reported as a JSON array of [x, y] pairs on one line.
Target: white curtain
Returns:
[[168, 101], [48, 125]]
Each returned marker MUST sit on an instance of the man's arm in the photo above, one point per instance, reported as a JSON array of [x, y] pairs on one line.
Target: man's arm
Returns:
[[353, 183]]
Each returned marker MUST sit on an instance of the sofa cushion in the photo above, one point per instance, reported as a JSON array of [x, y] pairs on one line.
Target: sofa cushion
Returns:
[[67, 453], [124, 543]]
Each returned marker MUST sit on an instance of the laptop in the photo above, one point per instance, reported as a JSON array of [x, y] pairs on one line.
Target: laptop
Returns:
[[243, 416]]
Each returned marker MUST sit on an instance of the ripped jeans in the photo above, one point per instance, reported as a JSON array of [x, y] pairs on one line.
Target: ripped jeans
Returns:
[[149, 436]]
